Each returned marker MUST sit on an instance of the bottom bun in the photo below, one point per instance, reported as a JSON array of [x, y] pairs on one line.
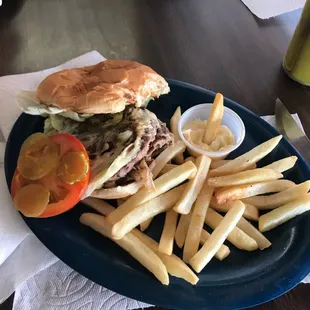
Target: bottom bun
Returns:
[[118, 191]]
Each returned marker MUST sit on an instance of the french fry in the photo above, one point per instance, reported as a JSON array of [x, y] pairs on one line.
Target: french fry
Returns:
[[249, 190], [162, 184], [145, 211], [191, 158], [220, 162], [279, 199], [237, 237], [167, 168], [104, 208], [244, 161], [182, 228], [195, 227], [184, 205], [146, 175], [222, 253], [118, 191], [175, 266], [245, 177], [145, 225], [217, 238], [131, 244], [251, 212], [283, 164], [282, 214], [167, 236], [99, 205], [254, 233], [214, 119], [174, 123], [164, 157]]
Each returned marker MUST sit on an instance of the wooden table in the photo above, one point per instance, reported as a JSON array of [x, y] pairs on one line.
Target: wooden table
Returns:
[[219, 45]]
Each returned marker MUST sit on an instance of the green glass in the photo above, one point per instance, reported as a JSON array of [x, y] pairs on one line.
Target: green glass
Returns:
[[296, 62]]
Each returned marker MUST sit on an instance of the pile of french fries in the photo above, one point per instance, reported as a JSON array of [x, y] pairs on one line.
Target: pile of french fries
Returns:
[[193, 192]]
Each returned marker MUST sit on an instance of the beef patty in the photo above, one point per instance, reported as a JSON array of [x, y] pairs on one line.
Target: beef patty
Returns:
[[105, 136]]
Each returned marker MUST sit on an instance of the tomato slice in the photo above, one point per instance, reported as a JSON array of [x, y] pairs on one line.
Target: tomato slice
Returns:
[[63, 196]]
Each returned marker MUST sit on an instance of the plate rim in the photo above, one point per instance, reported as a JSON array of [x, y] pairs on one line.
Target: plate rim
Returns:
[[294, 280]]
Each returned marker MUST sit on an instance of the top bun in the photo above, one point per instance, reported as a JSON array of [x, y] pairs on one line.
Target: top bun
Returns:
[[106, 87]]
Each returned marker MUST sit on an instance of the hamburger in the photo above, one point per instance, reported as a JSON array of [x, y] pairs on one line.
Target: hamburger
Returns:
[[104, 106]]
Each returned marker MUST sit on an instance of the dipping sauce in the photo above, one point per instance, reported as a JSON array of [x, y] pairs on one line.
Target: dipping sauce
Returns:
[[194, 133]]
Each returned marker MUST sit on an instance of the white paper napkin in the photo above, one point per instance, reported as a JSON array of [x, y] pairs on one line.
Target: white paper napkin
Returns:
[[39, 279], [60, 288], [270, 8]]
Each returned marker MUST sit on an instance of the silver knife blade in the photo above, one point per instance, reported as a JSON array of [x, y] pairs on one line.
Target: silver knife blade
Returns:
[[291, 130]]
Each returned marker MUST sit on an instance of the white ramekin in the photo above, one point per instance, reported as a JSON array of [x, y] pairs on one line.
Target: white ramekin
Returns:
[[230, 119]]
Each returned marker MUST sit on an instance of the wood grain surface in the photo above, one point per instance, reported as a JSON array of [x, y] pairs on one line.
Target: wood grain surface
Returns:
[[218, 44]]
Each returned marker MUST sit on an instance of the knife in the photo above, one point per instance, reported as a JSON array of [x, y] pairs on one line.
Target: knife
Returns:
[[291, 130]]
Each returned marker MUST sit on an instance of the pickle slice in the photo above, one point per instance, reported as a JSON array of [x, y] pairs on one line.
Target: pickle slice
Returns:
[[32, 140], [73, 167], [39, 155], [32, 200]]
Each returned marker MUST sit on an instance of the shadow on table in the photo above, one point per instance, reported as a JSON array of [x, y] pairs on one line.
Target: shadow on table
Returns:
[[10, 8], [147, 40], [283, 20], [9, 39], [9, 46], [159, 37], [293, 96]]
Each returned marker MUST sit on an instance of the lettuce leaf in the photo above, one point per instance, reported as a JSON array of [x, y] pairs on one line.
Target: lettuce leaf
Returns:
[[29, 104]]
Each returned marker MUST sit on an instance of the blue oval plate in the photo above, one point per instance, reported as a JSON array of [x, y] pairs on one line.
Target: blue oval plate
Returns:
[[242, 280]]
